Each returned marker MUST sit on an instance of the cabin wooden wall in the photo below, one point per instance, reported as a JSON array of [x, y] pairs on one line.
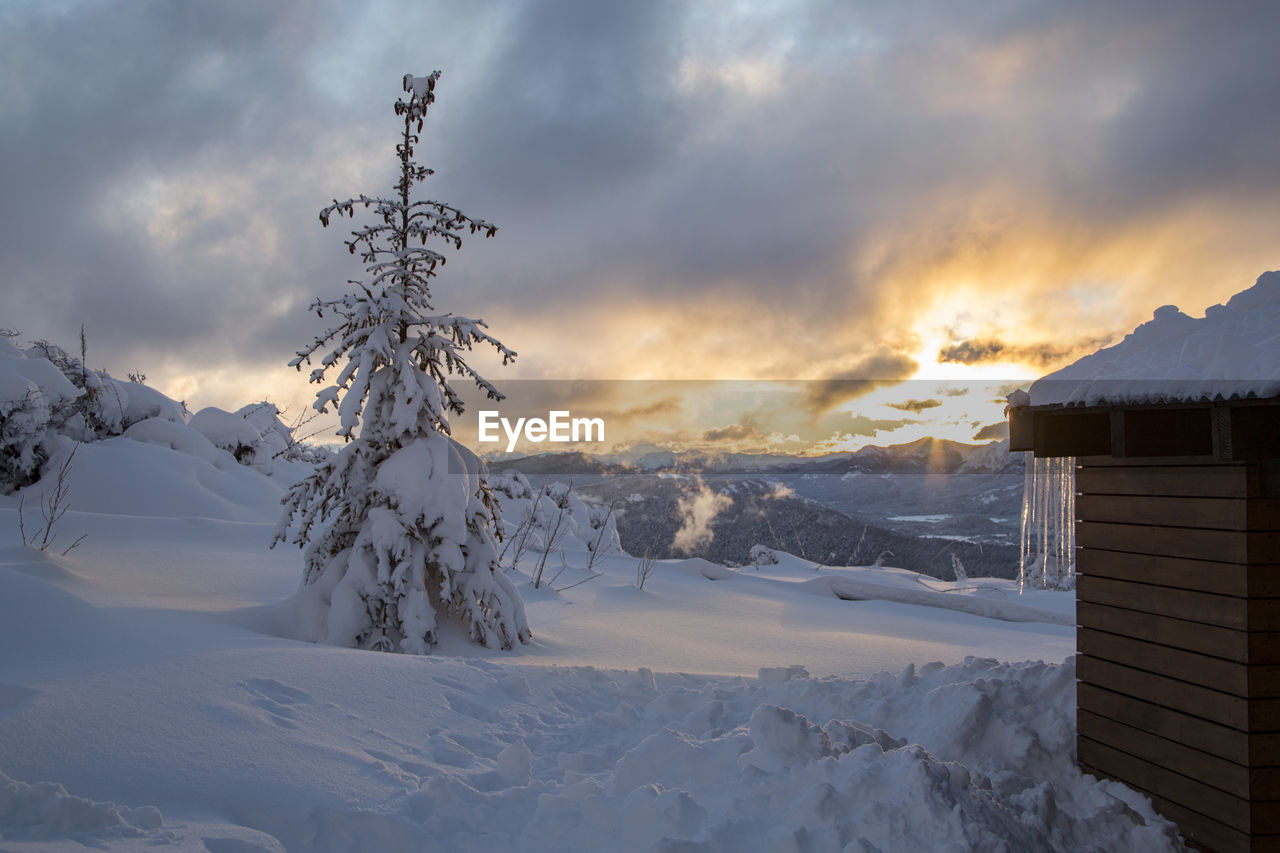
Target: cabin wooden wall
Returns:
[[1178, 608]]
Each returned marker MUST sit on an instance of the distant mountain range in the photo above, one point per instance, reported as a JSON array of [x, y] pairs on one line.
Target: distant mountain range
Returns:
[[924, 456], [921, 501]]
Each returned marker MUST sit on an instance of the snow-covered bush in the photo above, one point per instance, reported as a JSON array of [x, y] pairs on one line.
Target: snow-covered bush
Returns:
[[47, 393], [34, 397], [398, 526], [229, 432], [531, 515], [99, 410], [278, 440], [256, 437], [103, 406], [763, 555]]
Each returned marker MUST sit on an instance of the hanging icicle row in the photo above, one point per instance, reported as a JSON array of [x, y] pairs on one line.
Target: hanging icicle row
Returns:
[[1028, 485], [1047, 542]]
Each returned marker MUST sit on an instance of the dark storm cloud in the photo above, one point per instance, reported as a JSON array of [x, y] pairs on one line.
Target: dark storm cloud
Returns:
[[576, 100], [875, 115], [166, 162], [1206, 120], [791, 167], [99, 101]]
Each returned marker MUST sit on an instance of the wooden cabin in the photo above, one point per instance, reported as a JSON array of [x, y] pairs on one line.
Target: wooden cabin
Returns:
[[1177, 605]]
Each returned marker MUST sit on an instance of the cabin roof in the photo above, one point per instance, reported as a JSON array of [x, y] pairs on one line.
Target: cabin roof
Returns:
[[1230, 429]]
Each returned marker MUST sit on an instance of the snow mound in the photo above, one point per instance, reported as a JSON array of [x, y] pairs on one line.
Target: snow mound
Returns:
[[141, 475], [142, 401], [231, 432], [1233, 351], [22, 377], [255, 436], [45, 810], [182, 438]]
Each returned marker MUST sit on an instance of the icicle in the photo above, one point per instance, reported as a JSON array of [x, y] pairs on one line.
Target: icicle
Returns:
[[1028, 485], [1047, 544], [1071, 517]]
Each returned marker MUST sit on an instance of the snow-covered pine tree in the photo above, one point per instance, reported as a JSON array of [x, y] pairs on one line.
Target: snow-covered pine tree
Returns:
[[398, 527]]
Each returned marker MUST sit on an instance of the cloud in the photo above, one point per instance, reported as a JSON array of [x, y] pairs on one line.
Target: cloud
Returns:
[[697, 511], [733, 432], [780, 491], [873, 372], [779, 193], [916, 406], [997, 431], [663, 406], [978, 351]]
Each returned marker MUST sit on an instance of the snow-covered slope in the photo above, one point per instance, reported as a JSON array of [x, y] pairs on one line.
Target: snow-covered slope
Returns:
[[150, 698]]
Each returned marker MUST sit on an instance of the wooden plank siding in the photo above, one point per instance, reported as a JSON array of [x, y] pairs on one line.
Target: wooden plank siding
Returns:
[[1237, 579], [1228, 546], [1204, 513], [1207, 481], [1178, 640], [1228, 611], [1238, 679], [1251, 647]]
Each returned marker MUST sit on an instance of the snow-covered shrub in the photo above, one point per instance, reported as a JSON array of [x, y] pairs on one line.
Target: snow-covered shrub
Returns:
[[533, 513], [99, 410], [103, 406], [398, 526], [255, 436], [278, 439], [229, 432], [34, 397], [762, 555]]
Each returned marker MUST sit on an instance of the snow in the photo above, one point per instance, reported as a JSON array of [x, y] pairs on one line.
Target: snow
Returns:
[[152, 695], [142, 402], [229, 431], [1233, 351], [21, 376], [121, 476]]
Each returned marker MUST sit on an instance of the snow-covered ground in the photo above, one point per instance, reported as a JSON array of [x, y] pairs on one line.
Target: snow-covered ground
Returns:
[[150, 700]]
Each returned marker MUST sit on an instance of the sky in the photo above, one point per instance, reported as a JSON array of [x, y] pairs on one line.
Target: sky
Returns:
[[834, 196]]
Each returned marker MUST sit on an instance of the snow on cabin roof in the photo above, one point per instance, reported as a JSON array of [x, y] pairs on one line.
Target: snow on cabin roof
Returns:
[[1232, 351]]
